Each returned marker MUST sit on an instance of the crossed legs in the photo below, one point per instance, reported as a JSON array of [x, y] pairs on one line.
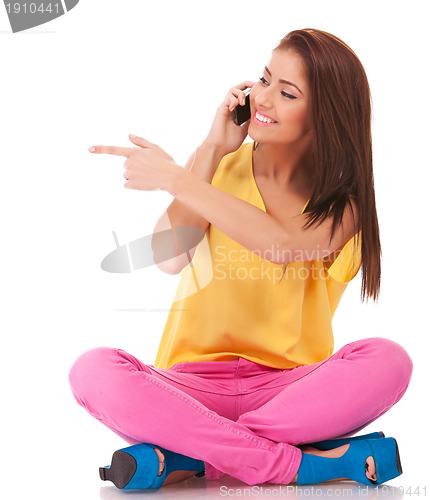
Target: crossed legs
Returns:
[[330, 399]]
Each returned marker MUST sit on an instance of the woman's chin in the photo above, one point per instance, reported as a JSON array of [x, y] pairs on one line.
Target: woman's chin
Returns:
[[256, 135]]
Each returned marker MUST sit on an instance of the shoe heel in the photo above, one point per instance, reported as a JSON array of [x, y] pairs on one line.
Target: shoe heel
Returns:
[[102, 474], [121, 470], [137, 466]]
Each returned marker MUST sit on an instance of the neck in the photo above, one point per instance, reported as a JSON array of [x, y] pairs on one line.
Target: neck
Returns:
[[288, 165]]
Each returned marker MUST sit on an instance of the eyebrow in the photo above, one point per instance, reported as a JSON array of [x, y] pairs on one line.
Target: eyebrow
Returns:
[[284, 81]]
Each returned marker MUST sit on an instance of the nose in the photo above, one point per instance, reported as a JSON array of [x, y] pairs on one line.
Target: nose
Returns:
[[263, 99]]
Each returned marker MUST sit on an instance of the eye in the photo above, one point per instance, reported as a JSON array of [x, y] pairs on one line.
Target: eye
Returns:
[[289, 96], [285, 94]]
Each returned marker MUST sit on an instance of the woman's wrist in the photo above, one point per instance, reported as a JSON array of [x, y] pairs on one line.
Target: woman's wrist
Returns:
[[209, 159], [205, 162], [215, 153], [178, 180]]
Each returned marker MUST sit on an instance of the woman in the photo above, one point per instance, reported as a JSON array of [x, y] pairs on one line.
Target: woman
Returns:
[[245, 377]]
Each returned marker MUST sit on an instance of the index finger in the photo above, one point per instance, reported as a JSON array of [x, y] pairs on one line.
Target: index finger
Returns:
[[244, 85], [111, 150]]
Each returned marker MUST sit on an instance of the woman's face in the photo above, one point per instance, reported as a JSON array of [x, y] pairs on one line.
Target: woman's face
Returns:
[[280, 102]]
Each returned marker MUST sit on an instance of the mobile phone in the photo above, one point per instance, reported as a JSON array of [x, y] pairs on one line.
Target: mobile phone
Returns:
[[242, 113]]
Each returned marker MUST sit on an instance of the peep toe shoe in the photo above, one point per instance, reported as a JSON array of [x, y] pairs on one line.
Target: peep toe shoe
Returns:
[[352, 464], [335, 443], [137, 466]]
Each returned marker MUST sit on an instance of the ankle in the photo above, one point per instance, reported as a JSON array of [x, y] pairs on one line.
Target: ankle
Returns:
[[175, 476]]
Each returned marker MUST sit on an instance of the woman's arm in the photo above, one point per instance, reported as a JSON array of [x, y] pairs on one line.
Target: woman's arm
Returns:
[[278, 241], [203, 164]]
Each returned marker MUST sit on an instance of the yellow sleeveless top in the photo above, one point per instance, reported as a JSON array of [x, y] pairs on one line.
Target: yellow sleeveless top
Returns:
[[232, 303]]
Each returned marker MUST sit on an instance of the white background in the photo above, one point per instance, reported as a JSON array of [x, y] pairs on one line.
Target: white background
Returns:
[[159, 70]]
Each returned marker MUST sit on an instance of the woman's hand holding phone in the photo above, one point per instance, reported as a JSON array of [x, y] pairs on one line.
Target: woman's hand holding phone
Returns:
[[224, 135]]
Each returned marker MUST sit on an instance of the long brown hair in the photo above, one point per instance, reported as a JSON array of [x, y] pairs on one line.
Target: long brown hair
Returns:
[[342, 143]]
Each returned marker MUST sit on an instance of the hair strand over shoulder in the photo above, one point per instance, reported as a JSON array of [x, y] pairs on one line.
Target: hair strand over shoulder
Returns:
[[342, 143]]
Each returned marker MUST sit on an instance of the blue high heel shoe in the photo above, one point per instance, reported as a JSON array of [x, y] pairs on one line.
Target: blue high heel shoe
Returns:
[[329, 444], [136, 467], [352, 465]]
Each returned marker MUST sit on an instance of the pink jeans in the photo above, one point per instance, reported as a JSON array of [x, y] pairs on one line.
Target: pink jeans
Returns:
[[242, 418]]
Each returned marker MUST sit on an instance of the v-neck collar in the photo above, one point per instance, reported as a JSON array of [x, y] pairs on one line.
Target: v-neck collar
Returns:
[[254, 182]]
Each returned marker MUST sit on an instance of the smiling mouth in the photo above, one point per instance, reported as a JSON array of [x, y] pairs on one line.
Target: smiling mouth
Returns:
[[263, 119]]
